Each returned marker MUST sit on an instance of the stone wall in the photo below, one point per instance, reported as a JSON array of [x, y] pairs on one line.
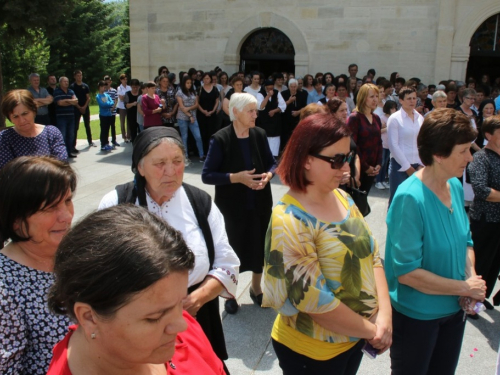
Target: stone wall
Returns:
[[423, 38]]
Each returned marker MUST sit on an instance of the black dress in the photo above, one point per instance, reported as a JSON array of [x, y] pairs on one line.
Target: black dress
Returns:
[[207, 124], [289, 121], [132, 124]]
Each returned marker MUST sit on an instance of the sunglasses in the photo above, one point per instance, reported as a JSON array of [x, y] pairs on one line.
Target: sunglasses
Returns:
[[337, 161]]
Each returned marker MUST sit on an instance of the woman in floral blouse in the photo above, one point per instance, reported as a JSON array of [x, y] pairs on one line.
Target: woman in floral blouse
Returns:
[[323, 272]]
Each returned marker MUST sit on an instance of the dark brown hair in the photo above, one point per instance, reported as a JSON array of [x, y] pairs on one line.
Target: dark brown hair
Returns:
[[29, 184], [311, 136], [491, 124], [16, 97], [106, 271], [443, 129]]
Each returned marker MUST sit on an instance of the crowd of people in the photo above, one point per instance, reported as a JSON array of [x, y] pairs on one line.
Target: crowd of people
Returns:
[[146, 300]]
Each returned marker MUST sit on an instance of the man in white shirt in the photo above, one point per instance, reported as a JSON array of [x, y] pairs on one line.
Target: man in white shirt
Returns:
[[271, 104]]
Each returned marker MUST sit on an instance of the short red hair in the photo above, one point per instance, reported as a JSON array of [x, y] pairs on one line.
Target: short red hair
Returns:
[[311, 136]]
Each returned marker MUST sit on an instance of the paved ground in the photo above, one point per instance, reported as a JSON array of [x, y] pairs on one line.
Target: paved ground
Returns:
[[247, 333]]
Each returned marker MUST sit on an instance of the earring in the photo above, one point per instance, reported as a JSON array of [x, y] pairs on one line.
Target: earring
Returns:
[[92, 336]]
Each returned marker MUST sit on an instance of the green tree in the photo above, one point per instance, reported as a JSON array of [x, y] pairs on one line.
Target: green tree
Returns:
[[92, 40], [19, 19]]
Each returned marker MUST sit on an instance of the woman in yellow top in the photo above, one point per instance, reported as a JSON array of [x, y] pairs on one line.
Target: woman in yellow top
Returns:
[[323, 272]]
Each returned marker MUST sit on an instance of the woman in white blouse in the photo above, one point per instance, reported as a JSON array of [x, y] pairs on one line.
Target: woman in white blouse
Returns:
[[402, 131], [158, 161]]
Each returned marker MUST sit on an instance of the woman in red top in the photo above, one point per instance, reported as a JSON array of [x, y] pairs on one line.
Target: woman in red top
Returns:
[[126, 293], [152, 106], [365, 126]]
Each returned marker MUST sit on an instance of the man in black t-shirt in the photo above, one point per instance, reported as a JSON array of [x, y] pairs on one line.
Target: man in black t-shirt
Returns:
[[82, 93]]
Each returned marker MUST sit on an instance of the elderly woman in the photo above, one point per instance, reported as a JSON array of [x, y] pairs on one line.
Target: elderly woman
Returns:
[[365, 128], [240, 165], [127, 294], [295, 100], [329, 92], [429, 257], [26, 137], [402, 131], [158, 161], [329, 289], [484, 173], [439, 99], [35, 217]]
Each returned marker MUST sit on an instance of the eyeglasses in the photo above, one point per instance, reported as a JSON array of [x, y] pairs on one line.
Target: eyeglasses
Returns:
[[337, 161]]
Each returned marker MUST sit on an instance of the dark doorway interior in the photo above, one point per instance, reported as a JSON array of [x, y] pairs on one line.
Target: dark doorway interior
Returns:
[[267, 50], [485, 50]]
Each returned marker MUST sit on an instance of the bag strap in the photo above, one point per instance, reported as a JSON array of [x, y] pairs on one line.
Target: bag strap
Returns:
[[202, 204]]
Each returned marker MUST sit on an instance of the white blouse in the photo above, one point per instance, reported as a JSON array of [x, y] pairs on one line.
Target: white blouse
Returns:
[[402, 135], [180, 215]]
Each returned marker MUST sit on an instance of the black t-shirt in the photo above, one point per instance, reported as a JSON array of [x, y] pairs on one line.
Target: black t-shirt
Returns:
[[207, 99], [81, 92]]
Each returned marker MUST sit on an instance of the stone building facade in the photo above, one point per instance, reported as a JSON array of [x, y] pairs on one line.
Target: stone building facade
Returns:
[[429, 39]]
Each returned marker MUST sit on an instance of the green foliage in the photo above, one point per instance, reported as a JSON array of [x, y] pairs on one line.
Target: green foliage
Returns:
[[354, 303], [93, 39], [22, 56]]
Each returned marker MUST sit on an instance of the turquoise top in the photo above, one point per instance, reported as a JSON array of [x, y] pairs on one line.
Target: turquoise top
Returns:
[[423, 233]]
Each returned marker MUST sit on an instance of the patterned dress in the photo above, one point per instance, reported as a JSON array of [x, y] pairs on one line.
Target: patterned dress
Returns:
[[28, 331], [310, 267]]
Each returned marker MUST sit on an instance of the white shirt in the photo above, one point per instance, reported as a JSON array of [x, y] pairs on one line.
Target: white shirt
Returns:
[[121, 92], [281, 101], [402, 135], [180, 215], [251, 91]]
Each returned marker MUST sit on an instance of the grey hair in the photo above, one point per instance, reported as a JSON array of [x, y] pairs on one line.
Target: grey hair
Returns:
[[468, 92], [33, 75], [438, 94], [240, 101], [299, 77], [159, 141], [421, 87], [63, 77], [292, 81], [460, 83], [441, 87]]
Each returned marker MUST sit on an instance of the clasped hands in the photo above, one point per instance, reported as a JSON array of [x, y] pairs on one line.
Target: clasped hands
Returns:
[[253, 181]]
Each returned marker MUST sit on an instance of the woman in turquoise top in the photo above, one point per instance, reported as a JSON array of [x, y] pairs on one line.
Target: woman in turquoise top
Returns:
[[429, 256]]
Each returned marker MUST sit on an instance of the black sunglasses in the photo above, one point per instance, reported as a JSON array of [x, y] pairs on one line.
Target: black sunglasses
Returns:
[[337, 161]]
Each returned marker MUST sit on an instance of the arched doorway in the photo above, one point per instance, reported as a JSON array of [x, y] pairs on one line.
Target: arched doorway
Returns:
[[267, 50], [485, 50]]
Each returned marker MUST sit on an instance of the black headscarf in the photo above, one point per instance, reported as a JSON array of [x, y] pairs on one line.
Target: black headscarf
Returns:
[[141, 143]]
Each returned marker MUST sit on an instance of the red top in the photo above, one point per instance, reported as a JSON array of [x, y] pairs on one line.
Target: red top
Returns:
[[193, 353], [148, 106]]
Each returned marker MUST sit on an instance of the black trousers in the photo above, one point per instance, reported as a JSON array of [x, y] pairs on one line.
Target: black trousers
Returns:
[[293, 363], [113, 129], [362, 199], [426, 347], [486, 237], [106, 122], [86, 121]]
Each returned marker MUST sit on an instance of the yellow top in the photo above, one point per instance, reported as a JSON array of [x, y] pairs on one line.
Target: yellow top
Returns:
[[310, 267]]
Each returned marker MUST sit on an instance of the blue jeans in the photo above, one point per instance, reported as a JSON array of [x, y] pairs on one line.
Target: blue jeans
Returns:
[[396, 178], [386, 153], [66, 125], [195, 130]]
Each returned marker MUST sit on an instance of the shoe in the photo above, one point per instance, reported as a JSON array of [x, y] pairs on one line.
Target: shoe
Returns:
[[75, 151], [473, 317], [71, 156], [387, 185], [231, 306], [202, 159], [106, 148], [488, 305], [256, 299], [380, 186], [115, 144], [92, 144]]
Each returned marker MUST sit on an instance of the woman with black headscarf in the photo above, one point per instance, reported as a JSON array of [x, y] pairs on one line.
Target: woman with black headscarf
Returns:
[[158, 162]]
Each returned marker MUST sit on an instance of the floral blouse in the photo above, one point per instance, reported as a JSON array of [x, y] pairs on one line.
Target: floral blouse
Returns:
[[311, 266]]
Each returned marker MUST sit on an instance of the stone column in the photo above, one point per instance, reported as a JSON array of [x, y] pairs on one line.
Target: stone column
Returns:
[[444, 42]]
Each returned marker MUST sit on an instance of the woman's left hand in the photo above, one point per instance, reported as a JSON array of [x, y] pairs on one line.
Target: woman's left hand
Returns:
[[261, 184], [383, 338], [192, 303]]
